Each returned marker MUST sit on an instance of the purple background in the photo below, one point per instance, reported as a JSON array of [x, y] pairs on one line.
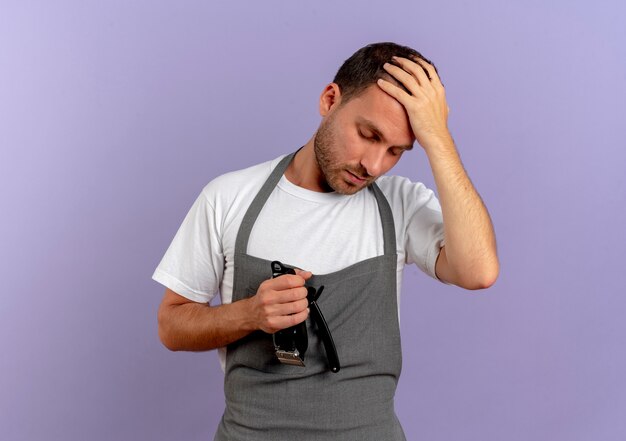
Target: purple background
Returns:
[[114, 115]]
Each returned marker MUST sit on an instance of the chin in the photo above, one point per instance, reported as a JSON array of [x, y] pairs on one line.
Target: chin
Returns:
[[335, 182], [346, 188]]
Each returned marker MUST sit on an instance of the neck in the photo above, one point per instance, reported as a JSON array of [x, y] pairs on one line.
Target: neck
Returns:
[[304, 171]]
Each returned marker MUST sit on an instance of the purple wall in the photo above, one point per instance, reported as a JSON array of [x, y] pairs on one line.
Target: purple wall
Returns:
[[113, 116]]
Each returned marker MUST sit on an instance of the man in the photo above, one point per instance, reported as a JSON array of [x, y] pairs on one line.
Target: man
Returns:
[[328, 212]]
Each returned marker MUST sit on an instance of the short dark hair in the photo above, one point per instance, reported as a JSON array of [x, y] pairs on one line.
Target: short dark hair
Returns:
[[365, 66]]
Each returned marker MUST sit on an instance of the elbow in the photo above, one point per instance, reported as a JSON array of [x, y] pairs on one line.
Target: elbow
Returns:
[[482, 280], [163, 329], [165, 341], [484, 284]]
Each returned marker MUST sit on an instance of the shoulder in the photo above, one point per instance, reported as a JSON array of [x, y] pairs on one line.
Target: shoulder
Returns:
[[230, 187], [404, 195]]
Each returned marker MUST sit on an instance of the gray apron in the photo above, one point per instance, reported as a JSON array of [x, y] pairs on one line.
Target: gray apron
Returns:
[[268, 400]]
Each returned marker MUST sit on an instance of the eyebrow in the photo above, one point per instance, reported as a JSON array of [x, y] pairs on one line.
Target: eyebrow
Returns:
[[370, 125]]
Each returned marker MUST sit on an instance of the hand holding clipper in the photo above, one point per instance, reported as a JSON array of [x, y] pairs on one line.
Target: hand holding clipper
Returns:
[[291, 343]]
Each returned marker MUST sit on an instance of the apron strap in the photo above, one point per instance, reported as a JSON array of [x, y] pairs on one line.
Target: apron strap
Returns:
[[386, 218], [243, 235]]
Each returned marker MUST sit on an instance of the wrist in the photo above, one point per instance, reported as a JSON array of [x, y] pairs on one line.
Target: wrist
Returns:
[[443, 142], [246, 315]]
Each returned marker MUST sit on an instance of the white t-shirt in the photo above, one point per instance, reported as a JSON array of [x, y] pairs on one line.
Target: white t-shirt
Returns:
[[314, 231]]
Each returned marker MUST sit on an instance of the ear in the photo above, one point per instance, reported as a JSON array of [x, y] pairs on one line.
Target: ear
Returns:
[[330, 99]]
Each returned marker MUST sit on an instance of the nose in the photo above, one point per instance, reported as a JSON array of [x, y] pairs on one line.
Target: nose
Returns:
[[372, 161]]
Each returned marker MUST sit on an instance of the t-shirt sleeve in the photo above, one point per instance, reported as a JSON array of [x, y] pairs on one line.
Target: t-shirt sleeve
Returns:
[[424, 230], [193, 265]]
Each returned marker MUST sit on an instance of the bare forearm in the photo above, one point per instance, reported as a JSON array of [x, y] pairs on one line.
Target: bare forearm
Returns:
[[470, 238], [200, 327]]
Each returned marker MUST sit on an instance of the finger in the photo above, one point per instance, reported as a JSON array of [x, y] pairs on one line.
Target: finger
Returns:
[[418, 71], [293, 294], [404, 77], [432, 71], [394, 91], [288, 308], [285, 281], [287, 321], [306, 275], [286, 296]]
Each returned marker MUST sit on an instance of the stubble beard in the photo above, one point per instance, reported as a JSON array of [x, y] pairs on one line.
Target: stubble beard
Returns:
[[332, 170]]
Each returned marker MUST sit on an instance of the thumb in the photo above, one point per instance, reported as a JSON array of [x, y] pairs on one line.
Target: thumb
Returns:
[[306, 275]]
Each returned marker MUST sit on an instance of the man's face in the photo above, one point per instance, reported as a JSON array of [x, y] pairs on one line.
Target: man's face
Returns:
[[362, 140]]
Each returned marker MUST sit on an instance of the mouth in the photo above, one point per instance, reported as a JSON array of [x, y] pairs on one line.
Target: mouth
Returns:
[[355, 179]]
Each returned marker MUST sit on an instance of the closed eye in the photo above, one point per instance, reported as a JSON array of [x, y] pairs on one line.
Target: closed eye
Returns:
[[369, 138]]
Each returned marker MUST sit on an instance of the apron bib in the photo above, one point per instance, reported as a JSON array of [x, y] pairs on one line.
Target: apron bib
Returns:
[[268, 400]]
